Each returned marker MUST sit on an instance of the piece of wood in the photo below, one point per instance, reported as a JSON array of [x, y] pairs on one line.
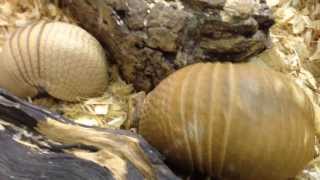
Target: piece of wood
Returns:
[[150, 39], [125, 154], [21, 162]]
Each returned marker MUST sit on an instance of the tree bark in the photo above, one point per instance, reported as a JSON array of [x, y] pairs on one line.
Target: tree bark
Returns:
[[150, 39], [53, 147]]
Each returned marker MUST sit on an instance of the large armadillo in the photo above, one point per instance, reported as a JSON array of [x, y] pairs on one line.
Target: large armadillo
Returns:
[[231, 121], [59, 58]]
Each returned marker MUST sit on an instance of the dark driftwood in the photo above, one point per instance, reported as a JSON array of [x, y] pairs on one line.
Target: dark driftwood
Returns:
[[122, 154], [20, 162], [149, 39]]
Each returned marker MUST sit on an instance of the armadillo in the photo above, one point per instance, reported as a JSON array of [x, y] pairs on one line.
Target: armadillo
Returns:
[[58, 58]]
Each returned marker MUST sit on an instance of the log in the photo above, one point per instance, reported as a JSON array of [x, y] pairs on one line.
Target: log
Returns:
[[101, 153], [21, 162], [150, 39]]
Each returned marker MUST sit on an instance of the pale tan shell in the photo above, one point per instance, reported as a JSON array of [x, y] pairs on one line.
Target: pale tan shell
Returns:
[[233, 121], [59, 58]]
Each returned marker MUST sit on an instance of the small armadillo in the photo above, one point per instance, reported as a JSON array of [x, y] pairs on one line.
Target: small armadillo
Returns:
[[59, 58]]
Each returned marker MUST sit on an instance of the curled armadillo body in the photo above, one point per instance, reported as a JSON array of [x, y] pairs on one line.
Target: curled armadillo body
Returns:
[[59, 58], [230, 121]]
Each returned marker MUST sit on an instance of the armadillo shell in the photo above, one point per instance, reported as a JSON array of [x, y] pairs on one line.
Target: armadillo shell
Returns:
[[59, 58], [233, 121]]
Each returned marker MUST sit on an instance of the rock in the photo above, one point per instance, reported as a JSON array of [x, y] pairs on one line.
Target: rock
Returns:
[[149, 39]]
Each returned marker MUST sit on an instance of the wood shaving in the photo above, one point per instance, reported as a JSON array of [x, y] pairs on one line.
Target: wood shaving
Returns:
[[19, 13], [295, 51], [296, 36], [111, 107]]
